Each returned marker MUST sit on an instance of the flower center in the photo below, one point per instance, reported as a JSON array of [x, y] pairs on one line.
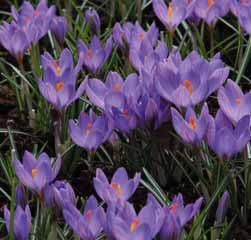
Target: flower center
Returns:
[[26, 20], [192, 122], [174, 207], [117, 87], [33, 172], [141, 36], [210, 3], [117, 188], [238, 100], [170, 10], [90, 53], [89, 214], [126, 112], [134, 224], [57, 67], [88, 127], [36, 13], [188, 86], [59, 86]]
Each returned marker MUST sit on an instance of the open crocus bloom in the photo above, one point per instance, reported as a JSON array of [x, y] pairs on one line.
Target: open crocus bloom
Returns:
[[36, 173], [58, 85], [91, 130], [94, 56], [221, 131], [120, 186], [173, 14], [97, 90], [176, 216], [233, 102], [89, 224], [191, 129], [124, 223], [22, 222], [211, 10]]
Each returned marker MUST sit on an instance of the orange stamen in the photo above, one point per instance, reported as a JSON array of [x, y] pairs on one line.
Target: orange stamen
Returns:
[[89, 214], [117, 87], [90, 53], [36, 13], [134, 224], [126, 112], [238, 100], [57, 67], [170, 10], [192, 122], [26, 20], [210, 3], [188, 86], [141, 36], [174, 207], [33, 172], [59, 86], [117, 187]]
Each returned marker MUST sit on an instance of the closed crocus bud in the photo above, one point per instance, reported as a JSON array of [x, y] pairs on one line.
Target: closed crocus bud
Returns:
[[59, 28], [21, 198], [222, 207], [92, 18]]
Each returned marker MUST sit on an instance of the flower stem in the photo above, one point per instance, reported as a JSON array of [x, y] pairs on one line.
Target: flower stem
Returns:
[[244, 62]]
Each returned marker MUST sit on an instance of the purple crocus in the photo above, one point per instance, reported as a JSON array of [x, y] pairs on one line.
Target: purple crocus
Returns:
[[235, 4], [89, 224], [172, 15], [36, 173], [176, 216], [92, 18], [94, 56], [146, 56], [211, 10], [191, 129], [189, 82], [22, 222], [221, 131], [233, 102], [59, 28], [91, 130], [124, 223], [97, 90], [222, 207], [120, 187], [133, 34], [59, 80]]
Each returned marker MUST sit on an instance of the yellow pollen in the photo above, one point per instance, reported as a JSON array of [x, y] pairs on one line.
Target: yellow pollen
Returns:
[[141, 36], [210, 3], [238, 100], [174, 207], [33, 172], [59, 86], [134, 224], [57, 67], [117, 87], [192, 123], [170, 10], [117, 187], [188, 86]]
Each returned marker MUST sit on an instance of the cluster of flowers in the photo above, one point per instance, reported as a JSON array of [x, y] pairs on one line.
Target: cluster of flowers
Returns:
[[120, 220], [207, 10]]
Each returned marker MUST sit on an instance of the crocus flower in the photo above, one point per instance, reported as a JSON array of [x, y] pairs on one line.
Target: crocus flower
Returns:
[[233, 102], [94, 56], [124, 223], [36, 173], [172, 15], [146, 56], [120, 186], [91, 130], [92, 18], [120, 109], [235, 4], [191, 129], [211, 10], [97, 90], [222, 207], [59, 28], [221, 131], [22, 222], [21, 198], [176, 216], [13, 39], [89, 224], [188, 82], [133, 34], [59, 80]]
